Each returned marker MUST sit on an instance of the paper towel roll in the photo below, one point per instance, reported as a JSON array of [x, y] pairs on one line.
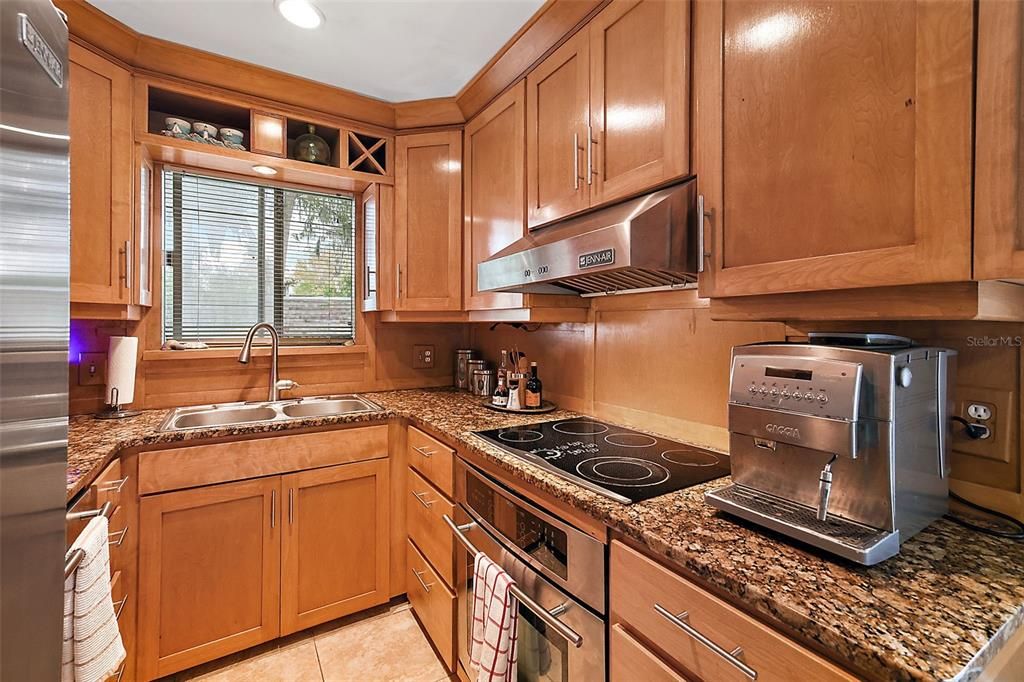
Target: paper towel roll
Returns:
[[121, 369]]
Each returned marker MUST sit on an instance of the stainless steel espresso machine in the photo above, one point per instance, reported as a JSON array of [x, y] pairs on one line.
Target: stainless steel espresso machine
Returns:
[[842, 442]]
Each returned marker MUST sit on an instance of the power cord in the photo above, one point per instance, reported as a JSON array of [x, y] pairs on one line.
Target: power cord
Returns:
[[1019, 535], [974, 432]]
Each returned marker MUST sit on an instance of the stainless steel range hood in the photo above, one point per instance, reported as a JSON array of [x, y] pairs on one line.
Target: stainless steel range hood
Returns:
[[642, 243]]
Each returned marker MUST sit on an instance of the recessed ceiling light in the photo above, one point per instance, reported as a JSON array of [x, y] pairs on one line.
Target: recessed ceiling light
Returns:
[[302, 13], [265, 170]]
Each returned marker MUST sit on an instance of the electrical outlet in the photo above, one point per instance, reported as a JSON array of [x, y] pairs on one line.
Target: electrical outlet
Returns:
[[92, 369], [422, 357], [979, 411], [987, 407]]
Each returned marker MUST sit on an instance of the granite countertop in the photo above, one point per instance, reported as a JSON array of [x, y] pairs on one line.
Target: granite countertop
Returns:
[[938, 610]]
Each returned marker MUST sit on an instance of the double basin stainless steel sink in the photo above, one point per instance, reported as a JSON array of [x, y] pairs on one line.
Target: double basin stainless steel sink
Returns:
[[233, 414]]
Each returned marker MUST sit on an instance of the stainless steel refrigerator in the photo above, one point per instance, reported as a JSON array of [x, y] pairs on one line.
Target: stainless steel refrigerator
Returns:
[[34, 263]]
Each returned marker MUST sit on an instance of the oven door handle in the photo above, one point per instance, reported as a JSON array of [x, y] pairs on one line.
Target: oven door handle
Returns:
[[549, 618]]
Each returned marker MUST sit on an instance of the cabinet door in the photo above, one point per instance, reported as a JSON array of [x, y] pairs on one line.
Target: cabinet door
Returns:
[[371, 261], [209, 569], [493, 173], [999, 185], [100, 150], [334, 548], [428, 222], [557, 119], [833, 143], [639, 97], [146, 191]]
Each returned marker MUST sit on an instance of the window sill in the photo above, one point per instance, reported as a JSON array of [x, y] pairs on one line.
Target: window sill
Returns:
[[257, 351]]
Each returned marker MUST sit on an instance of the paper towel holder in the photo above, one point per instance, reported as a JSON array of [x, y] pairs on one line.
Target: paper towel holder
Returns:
[[114, 409], [120, 388]]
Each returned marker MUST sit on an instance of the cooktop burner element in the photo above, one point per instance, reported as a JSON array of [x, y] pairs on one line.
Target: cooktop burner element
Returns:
[[520, 435], [691, 457], [623, 464]]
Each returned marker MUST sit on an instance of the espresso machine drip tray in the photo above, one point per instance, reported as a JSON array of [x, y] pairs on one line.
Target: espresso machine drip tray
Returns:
[[853, 541]]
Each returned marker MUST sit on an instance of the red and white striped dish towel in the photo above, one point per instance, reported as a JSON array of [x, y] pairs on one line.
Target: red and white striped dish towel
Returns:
[[92, 649], [495, 622]]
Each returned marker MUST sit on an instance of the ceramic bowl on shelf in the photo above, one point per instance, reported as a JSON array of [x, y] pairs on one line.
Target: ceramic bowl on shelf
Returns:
[[231, 135], [177, 125], [205, 129]]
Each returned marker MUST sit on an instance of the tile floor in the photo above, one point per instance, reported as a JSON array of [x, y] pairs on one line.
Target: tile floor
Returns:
[[384, 644]]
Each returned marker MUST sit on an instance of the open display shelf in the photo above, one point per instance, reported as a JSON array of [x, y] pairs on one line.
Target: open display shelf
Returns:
[[357, 159]]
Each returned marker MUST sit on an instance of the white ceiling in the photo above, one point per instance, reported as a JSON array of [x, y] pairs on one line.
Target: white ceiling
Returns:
[[395, 50]]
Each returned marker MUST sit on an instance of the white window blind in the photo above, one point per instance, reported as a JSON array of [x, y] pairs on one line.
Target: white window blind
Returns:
[[237, 253]]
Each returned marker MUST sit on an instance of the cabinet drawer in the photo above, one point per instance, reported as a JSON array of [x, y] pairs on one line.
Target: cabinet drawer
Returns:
[[638, 584], [433, 603], [433, 459], [630, 660], [424, 508]]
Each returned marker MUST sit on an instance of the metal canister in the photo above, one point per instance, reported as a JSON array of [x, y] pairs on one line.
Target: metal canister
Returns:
[[471, 367], [484, 381], [462, 375]]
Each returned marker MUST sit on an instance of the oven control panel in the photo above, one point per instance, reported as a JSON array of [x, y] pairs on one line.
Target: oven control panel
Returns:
[[811, 386]]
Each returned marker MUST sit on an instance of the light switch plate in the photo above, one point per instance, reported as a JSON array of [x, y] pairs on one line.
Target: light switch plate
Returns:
[[92, 369], [422, 357]]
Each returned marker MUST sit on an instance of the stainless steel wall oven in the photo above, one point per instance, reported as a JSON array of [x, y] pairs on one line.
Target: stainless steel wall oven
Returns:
[[559, 572]]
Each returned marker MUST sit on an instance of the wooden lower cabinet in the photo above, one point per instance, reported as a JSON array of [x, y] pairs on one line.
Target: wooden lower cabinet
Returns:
[[228, 566], [334, 542], [639, 584], [209, 568]]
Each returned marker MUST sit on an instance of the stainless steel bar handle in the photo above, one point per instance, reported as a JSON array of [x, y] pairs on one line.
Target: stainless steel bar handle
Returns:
[[420, 496], [291, 506], [119, 607], [730, 657], [590, 155], [106, 510], [423, 451], [419, 576], [701, 215], [127, 264], [113, 486], [566, 632], [273, 507], [119, 535], [575, 161], [398, 281]]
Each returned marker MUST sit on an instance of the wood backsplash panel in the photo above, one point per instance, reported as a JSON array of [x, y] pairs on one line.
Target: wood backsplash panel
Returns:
[[394, 358], [563, 353], [668, 370]]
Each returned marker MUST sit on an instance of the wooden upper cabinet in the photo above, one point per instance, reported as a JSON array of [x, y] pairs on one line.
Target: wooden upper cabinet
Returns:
[[999, 185], [833, 143], [334, 543], [428, 222], [209, 573], [557, 119], [100, 150], [268, 134], [493, 176], [639, 96]]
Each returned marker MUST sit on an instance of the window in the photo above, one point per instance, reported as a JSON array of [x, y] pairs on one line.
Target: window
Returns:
[[237, 253]]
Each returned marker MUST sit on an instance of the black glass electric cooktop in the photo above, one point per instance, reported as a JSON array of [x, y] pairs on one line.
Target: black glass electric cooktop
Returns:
[[623, 464]]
